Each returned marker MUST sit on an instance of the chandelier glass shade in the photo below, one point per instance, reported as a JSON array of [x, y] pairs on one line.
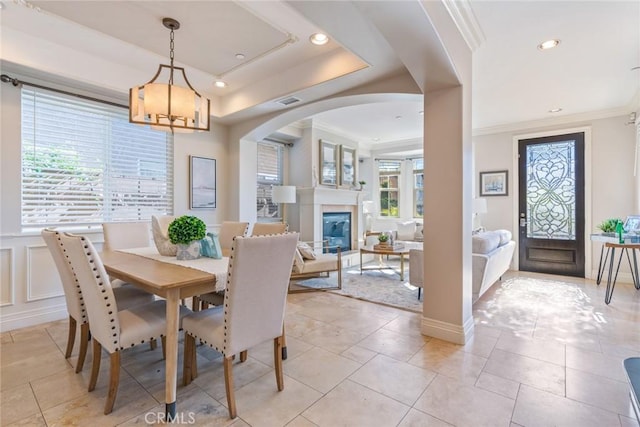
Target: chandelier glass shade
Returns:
[[169, 106]]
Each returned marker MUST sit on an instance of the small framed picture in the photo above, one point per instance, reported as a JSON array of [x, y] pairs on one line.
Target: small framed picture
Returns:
[[348, 163], [203, 183], [494, 183], [632, 224], [329, 163]]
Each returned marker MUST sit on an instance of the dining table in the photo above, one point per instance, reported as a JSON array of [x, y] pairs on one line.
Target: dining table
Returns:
[[173, 282]]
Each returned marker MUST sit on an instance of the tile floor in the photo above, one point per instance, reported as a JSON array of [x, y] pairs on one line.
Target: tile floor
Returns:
[[547, 351]]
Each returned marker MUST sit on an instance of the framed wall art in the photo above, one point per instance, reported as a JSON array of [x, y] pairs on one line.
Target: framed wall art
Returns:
[[348, 164], [329, 163], [202, 191], [494, 183]]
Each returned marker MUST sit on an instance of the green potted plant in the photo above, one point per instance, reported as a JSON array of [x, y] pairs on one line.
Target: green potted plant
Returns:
[[608, 226], [383, 238], [186, 232]]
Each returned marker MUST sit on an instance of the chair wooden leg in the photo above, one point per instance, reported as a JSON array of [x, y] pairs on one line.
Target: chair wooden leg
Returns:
[[71, 339], [243, 356], [189, 348], [153, 344], [164, 346], [195, 303], [114, 380], [84, 343], [228, 384], [95, 366], [277, 361], [284, 344]]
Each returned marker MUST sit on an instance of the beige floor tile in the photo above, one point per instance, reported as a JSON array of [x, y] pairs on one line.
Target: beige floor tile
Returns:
[[261, 404], [323, 312], [536, 373], [499, 385], [32, 366], [320, 369], [449, 359], [539, 408], [88, 410], [59, 388], [32, 421], [548, 351], [211, 376], [628, 422], [359, 354], [397, 380], [355, 405], [596, 363], [297, 324], [264, 352], [301, 421], [462, 405], [17, 403], [406, 325], [480, 345], [5, 338], [610, 395], [333, 338], [393, 344], [416, 418], [355, 320]]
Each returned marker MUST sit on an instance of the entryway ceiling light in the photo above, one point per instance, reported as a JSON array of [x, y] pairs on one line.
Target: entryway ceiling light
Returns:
[[549, 44], [319, 39], [168, 106], [219, 83], [555, 110]]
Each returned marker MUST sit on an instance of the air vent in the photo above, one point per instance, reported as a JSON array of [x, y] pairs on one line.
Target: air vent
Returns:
[[288, 101]]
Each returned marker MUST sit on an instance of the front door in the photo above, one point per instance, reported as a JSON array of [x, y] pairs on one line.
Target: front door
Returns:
[[551, 204]]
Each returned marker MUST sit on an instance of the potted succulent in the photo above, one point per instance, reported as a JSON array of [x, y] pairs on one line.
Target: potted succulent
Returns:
[[362, 184], [608, 226], [186, 232]]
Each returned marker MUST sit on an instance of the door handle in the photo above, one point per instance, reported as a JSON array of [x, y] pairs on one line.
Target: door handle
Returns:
[[523, 222]]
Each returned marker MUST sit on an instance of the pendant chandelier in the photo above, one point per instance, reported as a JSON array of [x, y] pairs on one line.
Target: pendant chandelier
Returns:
[[168, 106]]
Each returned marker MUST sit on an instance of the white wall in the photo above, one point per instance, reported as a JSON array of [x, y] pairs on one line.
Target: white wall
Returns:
[[30, 290], [612, 181]]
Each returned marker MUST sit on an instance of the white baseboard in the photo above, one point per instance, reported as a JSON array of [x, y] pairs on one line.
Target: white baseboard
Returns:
[[448, 331], [34, 317], [623, 277]]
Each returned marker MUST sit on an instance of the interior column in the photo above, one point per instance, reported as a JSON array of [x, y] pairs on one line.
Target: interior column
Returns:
[[447, 216]]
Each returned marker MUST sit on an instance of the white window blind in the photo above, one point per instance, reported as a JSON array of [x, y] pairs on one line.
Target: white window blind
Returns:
[[83, 163], [270, 159]]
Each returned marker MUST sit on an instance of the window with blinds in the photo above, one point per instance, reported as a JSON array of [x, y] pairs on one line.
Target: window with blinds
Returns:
[[270, 159], [418, 188], [83, 163], [389, 179]]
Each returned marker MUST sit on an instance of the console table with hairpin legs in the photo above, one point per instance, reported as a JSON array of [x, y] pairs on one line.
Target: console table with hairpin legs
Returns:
[[633, 265]]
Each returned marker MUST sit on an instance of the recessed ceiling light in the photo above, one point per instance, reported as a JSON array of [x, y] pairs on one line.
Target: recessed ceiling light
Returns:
[[549, 44], [398, 117], [319, 39], [220, 83], [555, 110], [376, 139], [239, 55]]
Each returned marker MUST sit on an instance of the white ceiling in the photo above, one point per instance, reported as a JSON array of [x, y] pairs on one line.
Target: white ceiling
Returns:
[[513, 82]]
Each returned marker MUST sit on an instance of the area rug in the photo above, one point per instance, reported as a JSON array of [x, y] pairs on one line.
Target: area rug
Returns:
[[378, 286]]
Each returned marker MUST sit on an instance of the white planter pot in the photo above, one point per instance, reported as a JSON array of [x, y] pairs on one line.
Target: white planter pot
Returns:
[[190, 251]]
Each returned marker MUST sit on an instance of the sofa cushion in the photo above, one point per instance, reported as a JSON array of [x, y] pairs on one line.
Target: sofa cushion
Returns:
[[406, 230], [306, 251], [483, 243], [298, 262], [322, 263], [505, 236], [419, 234]]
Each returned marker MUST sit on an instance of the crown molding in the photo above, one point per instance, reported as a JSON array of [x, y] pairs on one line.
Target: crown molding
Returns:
[[554, 121], [317, 124], [466, 21]]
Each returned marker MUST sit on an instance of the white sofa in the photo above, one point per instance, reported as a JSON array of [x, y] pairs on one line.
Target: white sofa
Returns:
[[491, 252], [491, 257]]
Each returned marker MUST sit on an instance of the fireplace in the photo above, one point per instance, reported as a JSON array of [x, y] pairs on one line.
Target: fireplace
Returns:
[[336, 229]]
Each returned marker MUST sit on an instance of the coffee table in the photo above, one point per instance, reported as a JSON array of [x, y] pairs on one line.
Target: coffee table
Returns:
[[401, 252]]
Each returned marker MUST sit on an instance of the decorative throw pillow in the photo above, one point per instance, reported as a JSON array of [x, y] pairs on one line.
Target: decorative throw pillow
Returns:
[[160, 229], [406, 230], [419, 234], [306, 251], [298, 262], [210, 246]]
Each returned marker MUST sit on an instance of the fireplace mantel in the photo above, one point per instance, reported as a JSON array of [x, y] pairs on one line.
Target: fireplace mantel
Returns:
[[312, 202]]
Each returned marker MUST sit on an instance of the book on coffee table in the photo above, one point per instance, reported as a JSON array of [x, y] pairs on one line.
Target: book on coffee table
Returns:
[[388, 247]]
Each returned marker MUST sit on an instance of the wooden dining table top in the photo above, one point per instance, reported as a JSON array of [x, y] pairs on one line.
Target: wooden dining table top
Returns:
[[156, 276]]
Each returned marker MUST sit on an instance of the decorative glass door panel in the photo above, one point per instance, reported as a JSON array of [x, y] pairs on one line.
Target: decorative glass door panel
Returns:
[[551, 204], [551, 192]]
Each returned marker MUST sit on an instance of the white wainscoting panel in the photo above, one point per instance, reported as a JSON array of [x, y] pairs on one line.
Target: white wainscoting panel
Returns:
[[43, 280], [7, 277]]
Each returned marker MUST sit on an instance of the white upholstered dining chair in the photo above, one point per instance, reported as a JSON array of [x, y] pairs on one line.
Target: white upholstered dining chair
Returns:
[[127, 296], [253, 310], [228, 231], [125, 235], [111, 329], [266, 228]]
